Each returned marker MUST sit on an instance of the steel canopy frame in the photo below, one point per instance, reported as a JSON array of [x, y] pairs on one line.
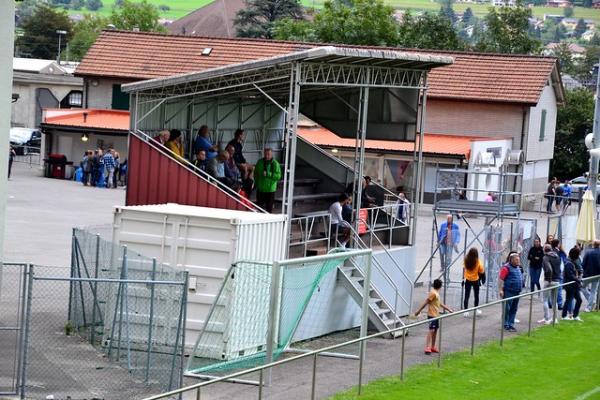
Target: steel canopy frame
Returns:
[[281, 80]]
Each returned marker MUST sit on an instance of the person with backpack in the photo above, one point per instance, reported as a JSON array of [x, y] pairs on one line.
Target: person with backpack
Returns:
[[473, 273]]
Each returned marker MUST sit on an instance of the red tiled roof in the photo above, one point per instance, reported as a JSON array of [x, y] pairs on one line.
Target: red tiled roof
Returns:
[[95, 118], [448, 145], [473, 76]]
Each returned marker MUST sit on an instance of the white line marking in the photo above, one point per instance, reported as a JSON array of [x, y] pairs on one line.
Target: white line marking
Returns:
[[588, 394]]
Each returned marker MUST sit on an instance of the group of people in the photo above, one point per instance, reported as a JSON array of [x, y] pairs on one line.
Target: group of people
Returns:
[[229, 166], [558, 195], [102, 168], [557, 267]]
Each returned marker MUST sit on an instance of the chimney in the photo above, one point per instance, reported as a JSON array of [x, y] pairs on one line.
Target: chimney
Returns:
[[136, 29], [85, 115]]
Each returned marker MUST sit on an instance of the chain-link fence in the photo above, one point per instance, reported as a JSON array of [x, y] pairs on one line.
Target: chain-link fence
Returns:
[[113, 329]]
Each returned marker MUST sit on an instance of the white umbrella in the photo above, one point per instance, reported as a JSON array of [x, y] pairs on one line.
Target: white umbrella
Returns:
[[585, 231]]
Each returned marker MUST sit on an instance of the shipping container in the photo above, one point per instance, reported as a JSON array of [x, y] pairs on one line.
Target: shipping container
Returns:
[[205, 242]]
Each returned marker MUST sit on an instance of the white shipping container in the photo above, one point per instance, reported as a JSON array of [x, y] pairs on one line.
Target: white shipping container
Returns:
[[205, 242]]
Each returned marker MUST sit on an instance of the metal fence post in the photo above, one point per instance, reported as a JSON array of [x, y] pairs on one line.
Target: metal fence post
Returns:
[[150, 320], [198, 394], [554, 304], [473, 332], [530, 314], [260, 384], [26, 332], [180, 326], [314, 378], [73, 255], [402, 355], [502, 322], [273, 316], [439, 360], [598, 295]]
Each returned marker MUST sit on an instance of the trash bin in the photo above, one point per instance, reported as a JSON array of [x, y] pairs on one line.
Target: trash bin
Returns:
[[56, 165]]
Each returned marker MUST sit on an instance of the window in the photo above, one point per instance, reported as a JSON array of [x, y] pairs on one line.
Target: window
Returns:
[[543, 126], [75, 99], [120, 100]]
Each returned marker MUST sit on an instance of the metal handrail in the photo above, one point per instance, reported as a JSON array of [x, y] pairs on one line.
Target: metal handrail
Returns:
[[309, 222], [383, 271], [196, 171], [361, 341]]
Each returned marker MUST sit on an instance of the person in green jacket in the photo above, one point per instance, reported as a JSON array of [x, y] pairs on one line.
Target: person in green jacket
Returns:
[[267, 173]]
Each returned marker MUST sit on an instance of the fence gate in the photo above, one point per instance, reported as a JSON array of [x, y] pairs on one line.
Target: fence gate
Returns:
[[14, 280]]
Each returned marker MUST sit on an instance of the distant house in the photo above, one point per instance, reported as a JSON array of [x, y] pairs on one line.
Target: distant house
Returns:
[[42, 84], [577, 51], [559, 3], [504, 3], [491, 96], [214, 19], [571, 23]]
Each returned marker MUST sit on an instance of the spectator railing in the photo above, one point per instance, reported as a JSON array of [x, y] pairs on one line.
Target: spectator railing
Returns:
[[29, 155], [362, 341], [309, 228], [248, 204]]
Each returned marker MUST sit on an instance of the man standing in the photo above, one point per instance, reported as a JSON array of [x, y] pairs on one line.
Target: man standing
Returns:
[[510, 284], [448, 239], [591, 267], [109, 165], [266, 175], [550, 193]]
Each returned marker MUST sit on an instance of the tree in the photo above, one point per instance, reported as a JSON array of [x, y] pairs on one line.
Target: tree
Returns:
[[507, 31], [258, 17], [468, 16], [565, 57], [580, 28], [85, 33], [429, 31], [573, 122], [568, 12], [93, 5], [361, 22], [164, 8], [77, 4], [24, 10], [141, 15], [39, 39], [447, 11]]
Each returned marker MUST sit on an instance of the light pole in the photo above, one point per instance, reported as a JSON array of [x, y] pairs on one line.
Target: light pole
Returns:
[[60, 34]]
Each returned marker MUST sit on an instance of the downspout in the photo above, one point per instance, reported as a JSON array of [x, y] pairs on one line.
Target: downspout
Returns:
[[524, 150], [87, 91]]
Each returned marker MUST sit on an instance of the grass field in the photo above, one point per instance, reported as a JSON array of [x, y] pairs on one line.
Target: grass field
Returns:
[[179, 8], [555, 363]]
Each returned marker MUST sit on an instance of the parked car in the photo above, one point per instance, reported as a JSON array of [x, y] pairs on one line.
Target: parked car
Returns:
[[25, 140], [581, 183]]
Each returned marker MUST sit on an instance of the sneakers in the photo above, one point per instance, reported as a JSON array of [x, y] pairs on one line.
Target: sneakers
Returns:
[[511, 329], [517, 321], [587, 310], [567, 318], [466, 314], [542, 321], [427, 350], [435, 350], [479, 312], [548, 322], [577, 319]]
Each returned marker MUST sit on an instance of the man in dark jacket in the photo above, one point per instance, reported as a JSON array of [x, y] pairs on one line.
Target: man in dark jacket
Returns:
[[535, 256], [591, 267], [553, 259], [510, 283]]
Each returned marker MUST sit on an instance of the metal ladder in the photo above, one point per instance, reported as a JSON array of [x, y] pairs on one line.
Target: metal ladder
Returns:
[[381, 314]]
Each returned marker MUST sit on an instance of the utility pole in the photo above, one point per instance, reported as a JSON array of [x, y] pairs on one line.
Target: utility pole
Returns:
[[596, 143], [7, 31], [60, 34]]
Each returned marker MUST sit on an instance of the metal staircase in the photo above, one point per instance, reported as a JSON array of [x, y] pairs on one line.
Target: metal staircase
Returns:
[[381, 314]]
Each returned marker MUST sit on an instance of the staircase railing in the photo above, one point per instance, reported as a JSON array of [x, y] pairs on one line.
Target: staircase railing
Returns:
[[377, 266], [247, 203]]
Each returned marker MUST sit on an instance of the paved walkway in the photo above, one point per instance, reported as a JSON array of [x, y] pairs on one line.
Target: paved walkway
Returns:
[[41, 213]]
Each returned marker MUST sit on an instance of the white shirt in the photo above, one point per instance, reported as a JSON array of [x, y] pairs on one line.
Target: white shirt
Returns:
[[336, 213]]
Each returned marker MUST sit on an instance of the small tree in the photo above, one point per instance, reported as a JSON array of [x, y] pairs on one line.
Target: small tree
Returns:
[[77, 4], [429, 31], [568, 12], [580, 28], [447, 11], [468, 16], [565, 57], [164, 8], [93, 5], [143, 16], [39, 39], [85, 33], [257, 19]]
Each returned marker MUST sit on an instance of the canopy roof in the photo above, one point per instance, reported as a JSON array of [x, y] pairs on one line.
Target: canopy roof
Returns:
[[321, 66]]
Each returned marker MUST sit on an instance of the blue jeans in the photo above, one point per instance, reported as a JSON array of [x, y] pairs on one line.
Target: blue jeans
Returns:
[[534, 278], [446, 253], [510, 309], [559, 299], [592, 290]]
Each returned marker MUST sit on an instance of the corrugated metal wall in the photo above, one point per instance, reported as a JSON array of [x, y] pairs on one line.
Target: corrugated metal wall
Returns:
[[154, 178]]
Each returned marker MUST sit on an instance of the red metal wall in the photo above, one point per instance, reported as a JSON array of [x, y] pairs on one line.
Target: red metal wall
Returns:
[[154, 178]]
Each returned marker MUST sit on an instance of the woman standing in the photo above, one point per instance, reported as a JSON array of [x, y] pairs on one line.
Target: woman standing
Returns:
[[535, 257], [473, 272], [572, 290]]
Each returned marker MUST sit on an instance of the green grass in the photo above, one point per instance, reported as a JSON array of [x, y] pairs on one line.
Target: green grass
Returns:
[[179, 8], [555, 363]]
